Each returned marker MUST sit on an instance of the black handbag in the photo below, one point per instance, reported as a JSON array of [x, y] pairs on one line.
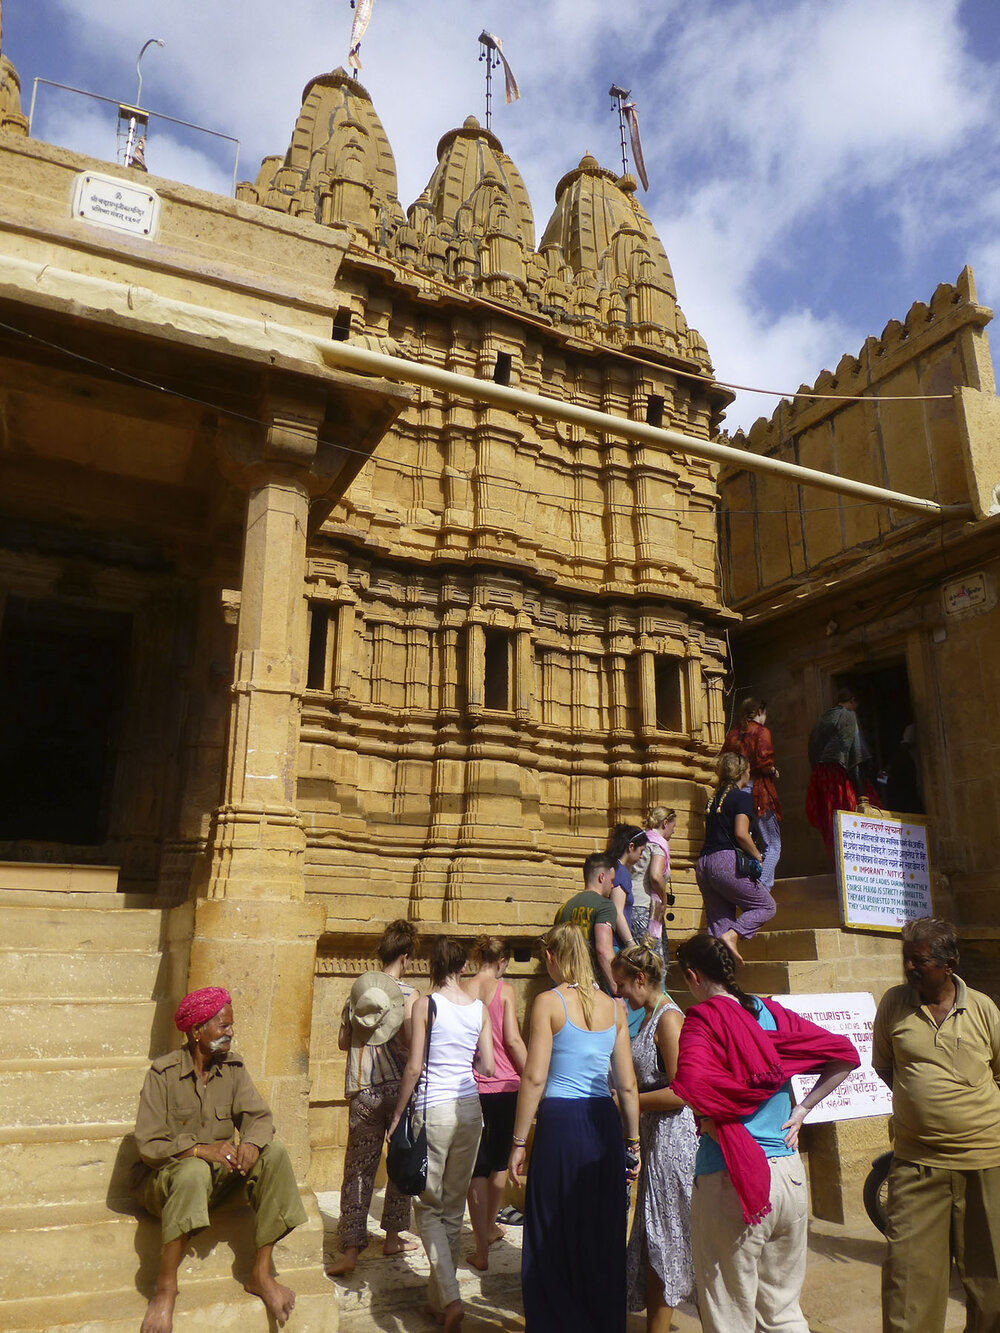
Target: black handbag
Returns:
[[406, 1156]]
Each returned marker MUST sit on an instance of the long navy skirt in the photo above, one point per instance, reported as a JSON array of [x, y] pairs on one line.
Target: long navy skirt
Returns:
[[573, 1260]]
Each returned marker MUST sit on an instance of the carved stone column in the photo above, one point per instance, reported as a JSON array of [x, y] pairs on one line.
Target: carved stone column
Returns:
[[253, 930]]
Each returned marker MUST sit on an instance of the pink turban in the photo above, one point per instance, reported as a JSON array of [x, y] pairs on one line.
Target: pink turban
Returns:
[[200, 1006]]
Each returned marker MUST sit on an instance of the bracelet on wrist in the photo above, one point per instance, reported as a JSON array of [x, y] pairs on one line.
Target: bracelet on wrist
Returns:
[[194, 1151], [519, 1143], [632, 1143]]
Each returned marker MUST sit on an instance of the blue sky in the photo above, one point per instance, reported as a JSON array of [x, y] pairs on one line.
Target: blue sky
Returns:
[[816, 166]]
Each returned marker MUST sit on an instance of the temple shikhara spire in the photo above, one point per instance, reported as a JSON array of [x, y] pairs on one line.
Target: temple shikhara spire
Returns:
[[11, 118]]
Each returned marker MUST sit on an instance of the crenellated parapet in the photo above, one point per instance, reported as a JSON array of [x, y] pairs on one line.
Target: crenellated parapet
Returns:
[[913, 411], [881, 360]]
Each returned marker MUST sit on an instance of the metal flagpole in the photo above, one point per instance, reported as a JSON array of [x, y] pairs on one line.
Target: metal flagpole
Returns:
[[621, 94], [492, 60]]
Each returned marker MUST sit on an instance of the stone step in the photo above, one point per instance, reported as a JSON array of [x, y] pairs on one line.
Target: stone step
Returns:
[[68, 1166], [85, 1093], [80, 925], [819, 977], [204, 1305], [823, 944], [53, 879], [818, 913], [100, 1028], [50, 974], [67, 1248]]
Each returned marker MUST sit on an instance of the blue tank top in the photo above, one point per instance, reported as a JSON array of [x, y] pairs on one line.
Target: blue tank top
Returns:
[[580, 1059]]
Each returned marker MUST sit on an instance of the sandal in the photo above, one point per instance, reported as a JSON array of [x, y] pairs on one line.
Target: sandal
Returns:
[[510, 1216]]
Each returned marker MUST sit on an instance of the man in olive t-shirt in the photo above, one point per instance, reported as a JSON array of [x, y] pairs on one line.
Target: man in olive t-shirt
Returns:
[[936, 1043], [594, 912]]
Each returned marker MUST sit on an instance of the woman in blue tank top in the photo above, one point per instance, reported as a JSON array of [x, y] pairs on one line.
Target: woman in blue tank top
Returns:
[[573, 1257]]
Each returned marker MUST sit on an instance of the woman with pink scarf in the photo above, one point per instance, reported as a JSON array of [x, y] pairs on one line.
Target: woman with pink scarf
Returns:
[[749, 1209]]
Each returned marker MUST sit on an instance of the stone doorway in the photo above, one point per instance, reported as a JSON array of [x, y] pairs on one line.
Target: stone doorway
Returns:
[[63, 674], [886, 717]]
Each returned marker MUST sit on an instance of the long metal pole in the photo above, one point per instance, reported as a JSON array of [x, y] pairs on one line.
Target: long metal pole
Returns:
[[350, 357]]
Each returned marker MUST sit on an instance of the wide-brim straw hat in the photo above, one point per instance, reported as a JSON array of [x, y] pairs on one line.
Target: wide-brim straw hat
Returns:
[[377, 1005]]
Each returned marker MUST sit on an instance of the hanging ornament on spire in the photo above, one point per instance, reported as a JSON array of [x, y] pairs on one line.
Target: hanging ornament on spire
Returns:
[[632, 120], [493, 54], [362, 17]]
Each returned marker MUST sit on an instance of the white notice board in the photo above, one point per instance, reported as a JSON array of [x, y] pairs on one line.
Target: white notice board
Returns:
[[883, 869], [851, 1015]]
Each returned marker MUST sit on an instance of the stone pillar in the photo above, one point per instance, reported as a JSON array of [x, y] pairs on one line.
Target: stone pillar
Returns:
[[253, 931], [257, 844]]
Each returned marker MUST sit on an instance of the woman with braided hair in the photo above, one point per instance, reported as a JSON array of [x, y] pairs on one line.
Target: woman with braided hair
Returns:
[[659, 1266], [736, 1056], [735, 906]]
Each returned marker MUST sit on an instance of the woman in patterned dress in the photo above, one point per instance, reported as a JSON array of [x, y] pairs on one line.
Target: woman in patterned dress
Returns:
[[659, 1265]]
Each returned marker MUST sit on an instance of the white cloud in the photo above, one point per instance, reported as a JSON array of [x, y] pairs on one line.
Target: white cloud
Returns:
[[759, 122]]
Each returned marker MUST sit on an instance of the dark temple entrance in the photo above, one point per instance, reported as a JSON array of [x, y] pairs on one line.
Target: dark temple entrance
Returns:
[[62, 686], [886, 718]]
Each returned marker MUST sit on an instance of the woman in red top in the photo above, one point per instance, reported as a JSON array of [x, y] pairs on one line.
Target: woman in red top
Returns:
[[753, 740]]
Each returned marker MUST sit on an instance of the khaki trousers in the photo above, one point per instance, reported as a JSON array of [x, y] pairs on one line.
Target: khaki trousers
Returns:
[[181, 1194], [749, 1277], [453, 1131], [935, 1213]]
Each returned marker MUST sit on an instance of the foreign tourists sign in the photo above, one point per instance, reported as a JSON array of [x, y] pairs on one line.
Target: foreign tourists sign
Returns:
[[883, 869], [862, 1093]]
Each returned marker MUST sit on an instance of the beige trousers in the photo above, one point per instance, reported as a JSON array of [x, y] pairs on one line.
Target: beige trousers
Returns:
[[453, 1131], [749, 1277]]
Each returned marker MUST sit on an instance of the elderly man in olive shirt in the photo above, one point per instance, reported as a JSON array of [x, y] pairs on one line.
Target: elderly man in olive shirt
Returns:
[[937, 1044], [192, 1105]]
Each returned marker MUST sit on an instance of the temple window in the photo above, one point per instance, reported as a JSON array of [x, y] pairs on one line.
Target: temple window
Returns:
[[501, 371], [668, 687], [654, 410], [498, 672], [319, 626]]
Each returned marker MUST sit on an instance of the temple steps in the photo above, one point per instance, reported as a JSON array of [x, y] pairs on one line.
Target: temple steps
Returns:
[[91, 1028], [43, 1092], [216, 1305], [66, 1164], [115, 1250]]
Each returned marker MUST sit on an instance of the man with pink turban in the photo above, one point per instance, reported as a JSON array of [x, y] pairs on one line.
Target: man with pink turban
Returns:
[[193, 1105]]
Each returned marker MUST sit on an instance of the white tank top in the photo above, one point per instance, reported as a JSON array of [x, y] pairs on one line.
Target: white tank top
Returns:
[[454, 1037]]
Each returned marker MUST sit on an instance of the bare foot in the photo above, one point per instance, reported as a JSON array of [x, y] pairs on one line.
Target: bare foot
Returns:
[[433, 1314], [345, 1265], [454, 1312], [398, 1245], [160, 1311], [279, 1300], [498, 1233], [729, 938], [480, 1262]]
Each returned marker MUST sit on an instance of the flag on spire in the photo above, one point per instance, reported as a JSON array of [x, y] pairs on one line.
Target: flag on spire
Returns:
[[632, 120], [493, 43], [362, 17]]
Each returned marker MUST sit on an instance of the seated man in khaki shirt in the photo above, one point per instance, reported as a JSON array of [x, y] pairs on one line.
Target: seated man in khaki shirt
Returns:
[[192, 1104]]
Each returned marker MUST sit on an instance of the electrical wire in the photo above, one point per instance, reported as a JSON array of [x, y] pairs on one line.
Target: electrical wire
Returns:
[[597, 506], [523, 317]]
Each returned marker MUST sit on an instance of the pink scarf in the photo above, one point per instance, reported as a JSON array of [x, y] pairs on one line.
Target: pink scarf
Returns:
[[728, 1066]]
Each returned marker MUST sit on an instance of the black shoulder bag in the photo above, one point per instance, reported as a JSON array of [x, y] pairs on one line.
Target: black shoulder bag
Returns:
[[406, 1156]]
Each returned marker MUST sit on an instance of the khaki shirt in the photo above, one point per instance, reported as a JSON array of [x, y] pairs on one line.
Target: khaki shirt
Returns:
[[945, 1098], [176, 1111]]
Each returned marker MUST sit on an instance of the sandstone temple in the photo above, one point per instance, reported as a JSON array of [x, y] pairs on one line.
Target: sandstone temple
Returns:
[[288, 650]]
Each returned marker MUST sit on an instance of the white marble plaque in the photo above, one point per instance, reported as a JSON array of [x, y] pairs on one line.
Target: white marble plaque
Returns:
[[116, 202]]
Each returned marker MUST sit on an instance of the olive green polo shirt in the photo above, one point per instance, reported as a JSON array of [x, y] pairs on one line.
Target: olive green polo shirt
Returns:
[[176, 1111], [945, 1098]]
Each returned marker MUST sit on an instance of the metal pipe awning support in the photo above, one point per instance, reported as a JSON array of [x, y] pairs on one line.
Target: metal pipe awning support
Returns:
[[347, 355]]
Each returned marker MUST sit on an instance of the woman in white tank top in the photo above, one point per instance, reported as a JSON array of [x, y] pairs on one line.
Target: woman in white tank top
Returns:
[[461, 1037]]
